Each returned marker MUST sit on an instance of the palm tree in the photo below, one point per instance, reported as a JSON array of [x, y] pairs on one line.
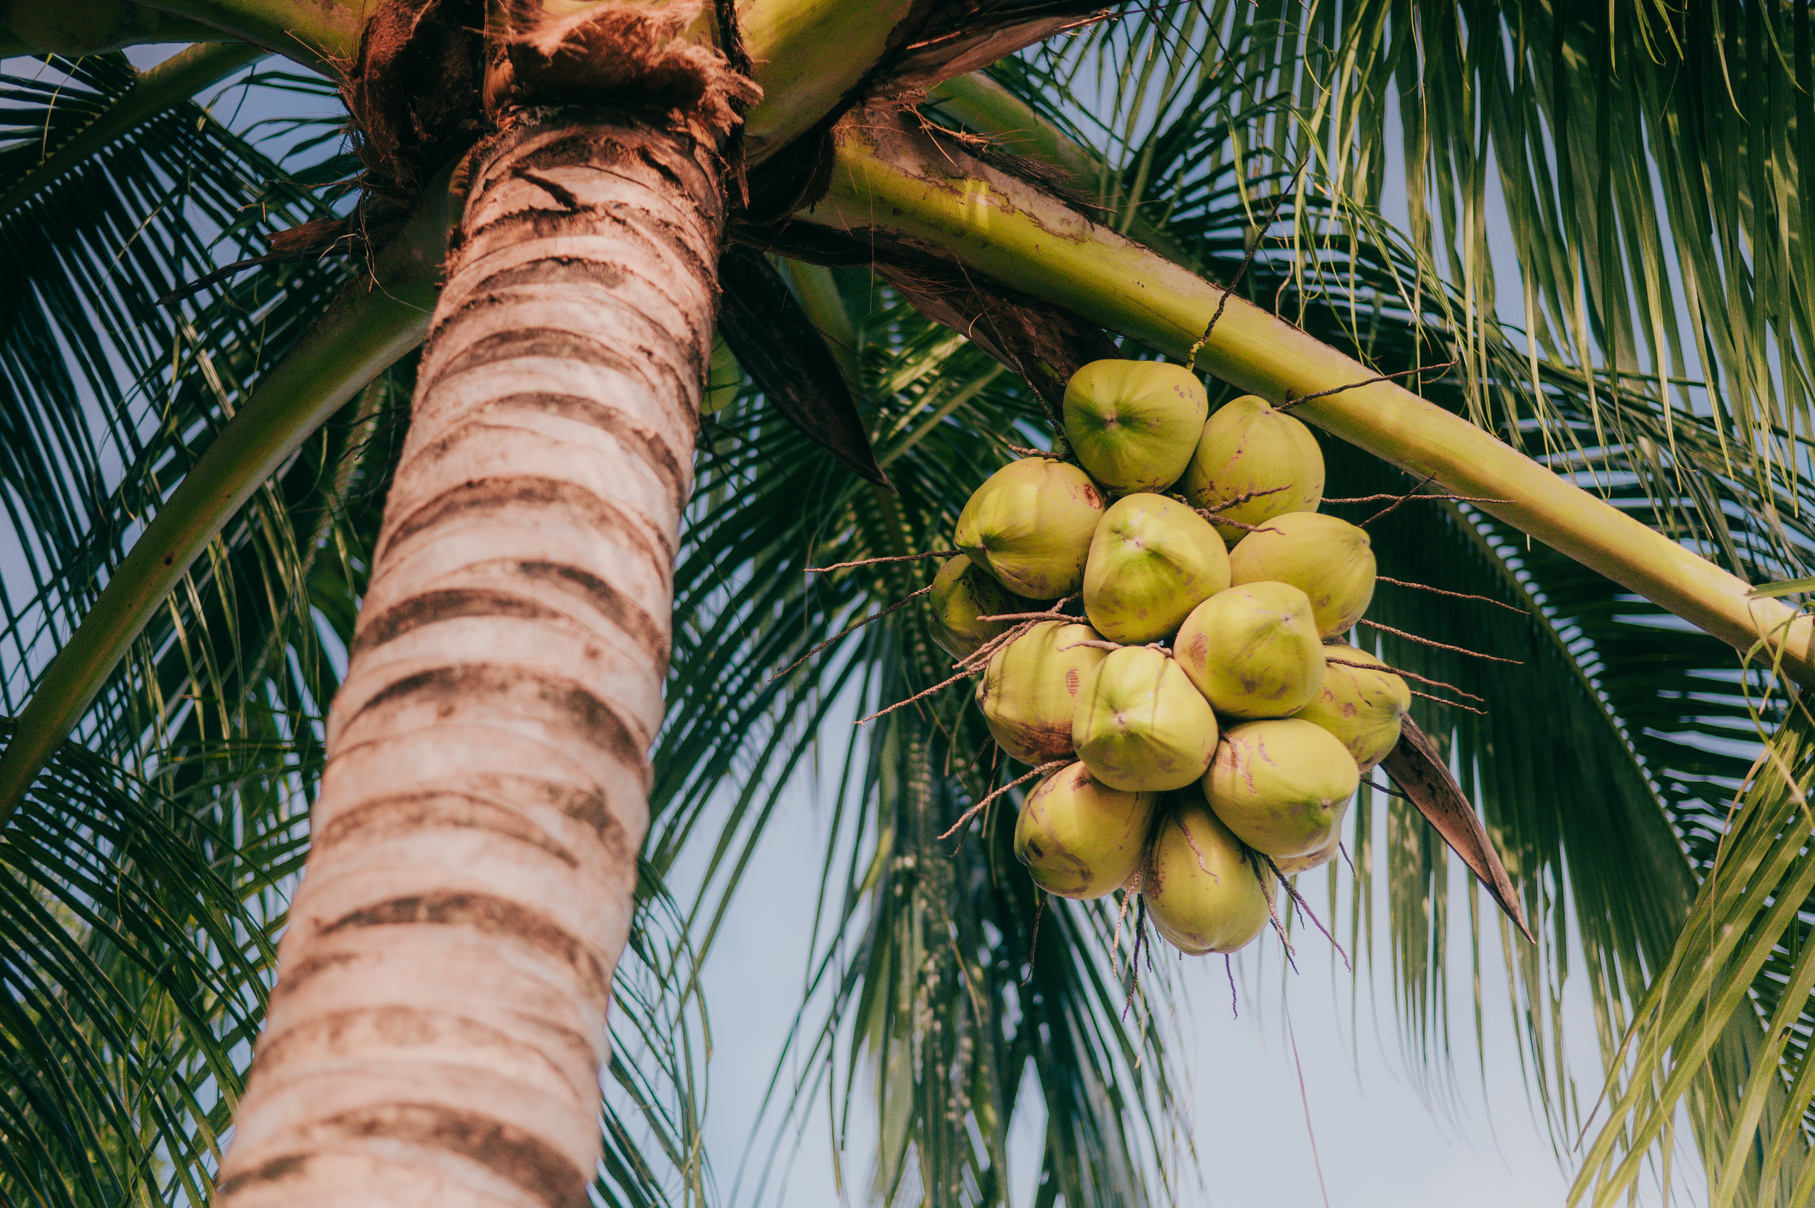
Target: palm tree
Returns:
[[534, 616]]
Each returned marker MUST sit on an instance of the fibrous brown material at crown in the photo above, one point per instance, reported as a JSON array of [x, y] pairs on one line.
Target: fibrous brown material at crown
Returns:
[[629, 55], [414, 91]]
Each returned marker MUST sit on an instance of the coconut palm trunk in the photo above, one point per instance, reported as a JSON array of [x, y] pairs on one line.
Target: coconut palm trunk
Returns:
[[487, 754]]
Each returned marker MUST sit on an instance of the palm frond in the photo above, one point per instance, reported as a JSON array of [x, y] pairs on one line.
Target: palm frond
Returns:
[[137, 948]]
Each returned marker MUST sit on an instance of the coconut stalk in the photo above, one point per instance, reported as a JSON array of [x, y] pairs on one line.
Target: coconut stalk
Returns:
[[894, 186]]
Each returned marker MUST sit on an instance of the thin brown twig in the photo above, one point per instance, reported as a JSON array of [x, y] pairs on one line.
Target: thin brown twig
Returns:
[[1406, 674], [1226, 504], [1434, 495], [849, 628], [1207, 514], [1304, 1098], [1279, 928], [981, 654], [1094, 645], [976, 809], [1454, 703], [1388, 509], [1454, 595], [1048, 615], [1234, 1002], [1025, 451], [1345, 855], [1033, 945], [962, 675], [1299, 900], [1412, 637], [1260, 238], [936, 553], [1385, 377]]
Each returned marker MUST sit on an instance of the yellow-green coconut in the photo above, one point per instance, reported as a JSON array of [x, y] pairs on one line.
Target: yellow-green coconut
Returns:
[[1203, 892], [1141, 724], [1327, 558], [1248, 448], [1080, 838], [1293, 865], [1134, 424], [1281, 785], [1253, 650], [1029, 525], [1030, 689], [1152, 560], [961, 594], [1362, 706]]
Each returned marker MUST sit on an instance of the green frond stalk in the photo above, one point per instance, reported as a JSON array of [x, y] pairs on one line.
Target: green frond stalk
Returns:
[[895, 185], [321, 35]]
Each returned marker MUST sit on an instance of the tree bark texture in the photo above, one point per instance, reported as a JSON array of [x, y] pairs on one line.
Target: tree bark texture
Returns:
[[438, 1025]]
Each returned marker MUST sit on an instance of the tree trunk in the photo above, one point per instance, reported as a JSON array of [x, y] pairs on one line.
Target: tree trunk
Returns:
[[438, 1026]]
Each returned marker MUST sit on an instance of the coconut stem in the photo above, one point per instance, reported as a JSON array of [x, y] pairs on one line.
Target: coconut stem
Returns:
[[976, 809], [1412, 637], [1407, 498], [1388, 509], [1407, 674], [1452, 703], [1299, 901], [1025, 451], [1051, 614], [1387, 377], [1033, 944], [1259, 238], [1454, 595], [935, 553], [1234, 1000], [946, 683], [1226, 504], [849, 628]]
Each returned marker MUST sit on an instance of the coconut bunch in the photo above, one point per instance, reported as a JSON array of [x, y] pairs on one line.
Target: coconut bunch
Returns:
[[1158, 630]]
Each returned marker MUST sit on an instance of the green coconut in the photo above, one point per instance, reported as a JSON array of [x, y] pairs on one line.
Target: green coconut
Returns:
[[1030, 689], [1029, 525], [1281, 785], [1203, 892], [1253, 650], [1152, 560], [962, 593], [1292, 865], [1080, 838], [1327, 558], [1363, 706], [1141, 725], [1249, 449], [1134, 424]]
